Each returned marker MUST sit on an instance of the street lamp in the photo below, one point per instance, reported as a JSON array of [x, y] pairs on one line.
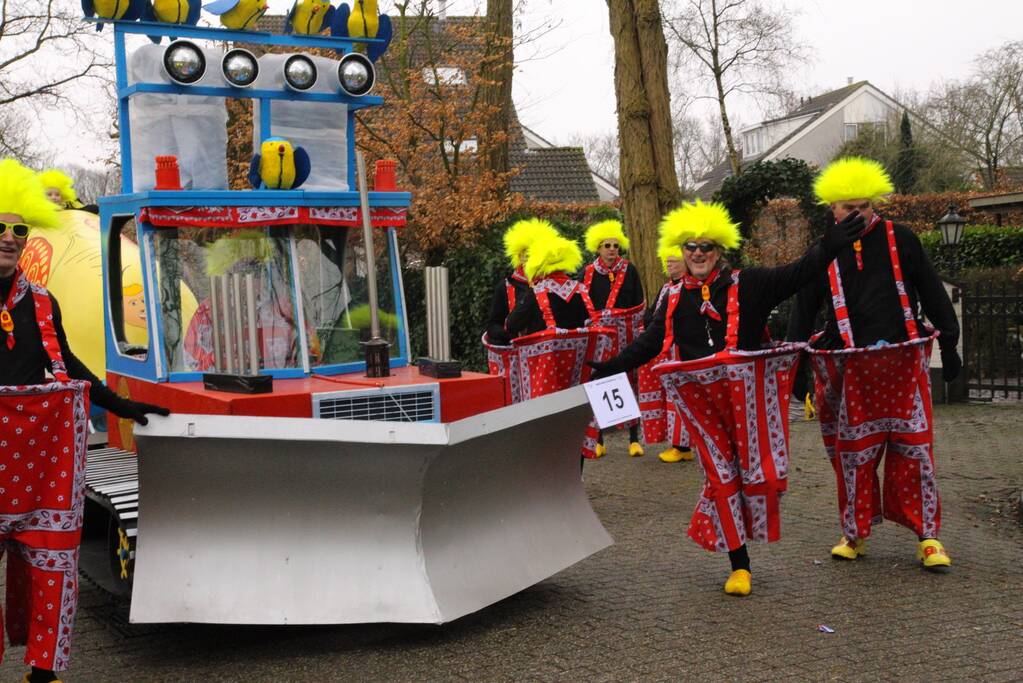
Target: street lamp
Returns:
[[952, 226]]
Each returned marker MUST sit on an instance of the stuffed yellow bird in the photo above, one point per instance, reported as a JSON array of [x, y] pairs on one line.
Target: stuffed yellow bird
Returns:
[[176, 11], [279, 166], [240, 15], [363, 22], [309, 17], [127, 10]]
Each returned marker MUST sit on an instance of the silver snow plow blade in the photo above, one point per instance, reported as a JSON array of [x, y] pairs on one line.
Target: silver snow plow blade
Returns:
[[306, 521]]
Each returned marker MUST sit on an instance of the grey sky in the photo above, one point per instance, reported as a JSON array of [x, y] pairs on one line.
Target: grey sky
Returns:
[[564, 82]]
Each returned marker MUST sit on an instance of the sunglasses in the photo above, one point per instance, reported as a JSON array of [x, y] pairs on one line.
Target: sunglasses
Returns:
[[20, 230], [705, 248], [611, 245]]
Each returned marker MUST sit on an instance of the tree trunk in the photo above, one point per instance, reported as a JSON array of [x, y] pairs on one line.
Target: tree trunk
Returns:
[[496, 88], [647, 179], [726, 126]]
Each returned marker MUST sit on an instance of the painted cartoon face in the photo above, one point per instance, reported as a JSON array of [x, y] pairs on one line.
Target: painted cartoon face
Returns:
[[53, 194], [134, 306]]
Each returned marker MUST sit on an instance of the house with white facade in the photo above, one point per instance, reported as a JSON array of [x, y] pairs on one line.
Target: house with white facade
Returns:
[[813, 131]]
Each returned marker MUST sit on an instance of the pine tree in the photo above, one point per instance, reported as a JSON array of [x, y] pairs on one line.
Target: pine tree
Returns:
[[907, 162]]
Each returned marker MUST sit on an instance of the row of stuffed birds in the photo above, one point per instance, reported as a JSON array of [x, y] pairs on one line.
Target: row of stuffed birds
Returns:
[[307, 17]]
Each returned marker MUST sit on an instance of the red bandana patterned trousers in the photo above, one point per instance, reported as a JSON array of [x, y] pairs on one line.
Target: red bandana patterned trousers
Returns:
[[735, 409], [871, 403], [42, 483]]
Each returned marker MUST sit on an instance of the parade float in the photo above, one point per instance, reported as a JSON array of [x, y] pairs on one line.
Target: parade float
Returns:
[[309, 472]]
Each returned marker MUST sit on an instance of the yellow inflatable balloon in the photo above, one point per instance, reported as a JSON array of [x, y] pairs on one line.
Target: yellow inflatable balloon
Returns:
[[67, 261]]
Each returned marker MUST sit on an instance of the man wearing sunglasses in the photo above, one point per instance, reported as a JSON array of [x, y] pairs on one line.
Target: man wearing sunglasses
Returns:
[[42, 455], [614, 287], [871, 366], [720, 310]]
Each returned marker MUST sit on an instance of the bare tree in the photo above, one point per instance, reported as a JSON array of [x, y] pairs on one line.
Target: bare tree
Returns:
[[45, 48], [983, 115], [649, 184], [739, 46]]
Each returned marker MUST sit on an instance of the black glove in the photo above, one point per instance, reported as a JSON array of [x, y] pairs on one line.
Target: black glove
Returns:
[[838, 235], [951, 364], [137, 411], [602, 369]]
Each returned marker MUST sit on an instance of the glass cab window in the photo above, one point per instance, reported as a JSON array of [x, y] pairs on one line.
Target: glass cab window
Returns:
[[246, 300], [126, 295]]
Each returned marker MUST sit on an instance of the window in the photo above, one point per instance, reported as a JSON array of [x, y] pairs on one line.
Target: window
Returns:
[[753, 142], [467, 146], [127, 300], [446, 75], [851, 130]]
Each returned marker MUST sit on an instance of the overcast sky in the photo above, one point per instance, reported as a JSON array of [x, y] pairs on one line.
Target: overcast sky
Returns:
[[564, 81]]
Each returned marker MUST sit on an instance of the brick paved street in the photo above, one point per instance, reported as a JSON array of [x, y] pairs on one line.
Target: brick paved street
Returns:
[[651, 606]]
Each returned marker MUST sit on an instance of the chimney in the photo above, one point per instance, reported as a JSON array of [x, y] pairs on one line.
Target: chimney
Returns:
[[848, 80]]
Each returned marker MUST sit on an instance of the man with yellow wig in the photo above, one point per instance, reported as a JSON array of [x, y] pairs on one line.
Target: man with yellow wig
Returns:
[[731, 389], [42, 441], [617, 294], [509, 289], [554, 300], [871, 365]]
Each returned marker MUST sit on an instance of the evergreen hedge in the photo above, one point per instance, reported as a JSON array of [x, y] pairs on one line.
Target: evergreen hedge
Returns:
[[982, 246]]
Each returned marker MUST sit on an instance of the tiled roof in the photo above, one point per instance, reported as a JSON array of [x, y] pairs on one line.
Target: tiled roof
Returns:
[[553, 174]]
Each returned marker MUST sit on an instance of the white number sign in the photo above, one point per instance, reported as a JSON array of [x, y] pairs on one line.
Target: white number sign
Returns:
[[612, 400]]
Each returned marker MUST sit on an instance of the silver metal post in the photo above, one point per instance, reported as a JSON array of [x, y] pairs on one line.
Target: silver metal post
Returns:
[[218, 362], [225, 308], [250, 300], [367, 238], [236, 294]]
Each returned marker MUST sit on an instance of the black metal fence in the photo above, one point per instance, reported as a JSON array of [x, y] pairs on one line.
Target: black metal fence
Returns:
[[992, 322]]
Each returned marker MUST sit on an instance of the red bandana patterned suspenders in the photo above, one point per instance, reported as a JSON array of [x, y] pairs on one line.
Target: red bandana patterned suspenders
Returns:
[[735, 408], [875, 402], [616, 273], [42, 486], [661, 422]]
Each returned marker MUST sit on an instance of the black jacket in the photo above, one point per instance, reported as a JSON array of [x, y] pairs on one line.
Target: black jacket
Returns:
[[27, 362], [499, 308], [760, 290], [871, 297], [527, 318], [631, 293]]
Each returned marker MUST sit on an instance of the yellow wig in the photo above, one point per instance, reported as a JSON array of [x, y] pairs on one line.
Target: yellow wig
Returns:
[[852, 178], [22, 193], [598, 232], [239, 245], [521, 235], [551, 253], [699, 221], [667, 251], [53, 177]]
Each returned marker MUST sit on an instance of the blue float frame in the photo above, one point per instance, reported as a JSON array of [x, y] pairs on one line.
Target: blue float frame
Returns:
[[130, 203]]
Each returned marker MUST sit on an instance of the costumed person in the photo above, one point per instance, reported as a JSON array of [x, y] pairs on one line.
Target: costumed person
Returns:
[[617, 295], [60, 189], [731, 389], [42, 457], [871, 365], [661, 422], [510, 288], [551, 326]]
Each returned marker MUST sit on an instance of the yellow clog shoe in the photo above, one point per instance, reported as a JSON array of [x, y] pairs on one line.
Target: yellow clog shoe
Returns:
[[739, 583], [849, 550], [675, 454], [635, 449], [932, 554], [600, 451]]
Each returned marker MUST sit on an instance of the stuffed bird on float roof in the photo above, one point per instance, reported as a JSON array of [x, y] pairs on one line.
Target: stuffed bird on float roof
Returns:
[[125, 10], [309, 17], [363, 22], [171, 12], [240, 15], [279, 166]]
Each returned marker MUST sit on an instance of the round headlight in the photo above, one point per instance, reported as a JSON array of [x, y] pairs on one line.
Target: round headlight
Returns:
[[184, 62], [240, 67], [299, 72], [356, 74]]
